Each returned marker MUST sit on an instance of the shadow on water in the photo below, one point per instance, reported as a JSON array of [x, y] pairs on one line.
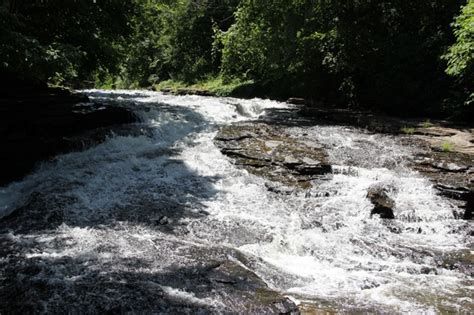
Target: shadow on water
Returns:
[[90, 285], [106, 290], [138, 181], [129, 178]]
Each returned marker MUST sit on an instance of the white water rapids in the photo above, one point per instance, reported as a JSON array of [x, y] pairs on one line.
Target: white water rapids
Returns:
[[319, 246]]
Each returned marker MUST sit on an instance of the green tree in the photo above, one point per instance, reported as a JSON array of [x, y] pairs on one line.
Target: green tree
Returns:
[[379, 54], [174, 39], [460, 56], [61, 41]]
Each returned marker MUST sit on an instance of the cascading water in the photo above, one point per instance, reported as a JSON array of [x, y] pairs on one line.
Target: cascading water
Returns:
[[319, 246]]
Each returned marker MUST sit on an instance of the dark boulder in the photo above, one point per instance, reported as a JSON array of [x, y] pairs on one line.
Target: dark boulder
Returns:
[[383, 204], [469, 206], [462, 194], [297, 101]]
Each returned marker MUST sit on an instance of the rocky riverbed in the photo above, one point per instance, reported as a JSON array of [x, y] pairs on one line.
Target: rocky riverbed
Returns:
[[266, 149], [221, 205]]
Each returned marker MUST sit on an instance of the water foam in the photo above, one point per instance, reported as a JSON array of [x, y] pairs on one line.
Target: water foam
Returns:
[[311, 245]]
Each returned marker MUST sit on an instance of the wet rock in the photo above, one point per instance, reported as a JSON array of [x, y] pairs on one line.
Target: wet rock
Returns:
[[38, 123], [163, 220], [309, 168], [237, 138], [451, 173], [187, 91], [242, 281], [279, 189], [434, 132], [462, 261], [267, 151], [383, 204], [180, 278], [459, 193], [296, 101], [428, 270], [469, 206], [364, 119], [450, 167], [394, 226]]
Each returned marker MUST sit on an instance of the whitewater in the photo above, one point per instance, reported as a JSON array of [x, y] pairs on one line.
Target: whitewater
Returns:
[[164, 197]]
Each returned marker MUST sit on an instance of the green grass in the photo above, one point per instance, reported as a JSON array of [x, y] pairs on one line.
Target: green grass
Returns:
[[111, 82], [408, 130], [214, 85], [171, 85], [427, 124], [447, 146]]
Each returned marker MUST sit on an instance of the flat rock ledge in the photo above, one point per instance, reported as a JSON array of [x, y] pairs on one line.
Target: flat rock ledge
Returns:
[[267, 151]]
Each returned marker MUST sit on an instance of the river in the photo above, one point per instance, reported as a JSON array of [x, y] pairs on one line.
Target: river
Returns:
[[165, 198]]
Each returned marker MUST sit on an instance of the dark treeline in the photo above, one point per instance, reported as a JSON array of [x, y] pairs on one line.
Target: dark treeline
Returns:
[[403, 57], [63, 41]]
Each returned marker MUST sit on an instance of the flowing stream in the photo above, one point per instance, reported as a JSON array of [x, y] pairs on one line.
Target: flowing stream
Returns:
[[149, 197]]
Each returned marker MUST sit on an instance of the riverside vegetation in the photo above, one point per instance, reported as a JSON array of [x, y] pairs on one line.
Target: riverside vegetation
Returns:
[[405, 58]]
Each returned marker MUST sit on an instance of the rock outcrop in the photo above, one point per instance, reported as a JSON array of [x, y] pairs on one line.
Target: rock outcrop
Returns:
[[267, 151], [452, 175], [447, 148], [37, 123]]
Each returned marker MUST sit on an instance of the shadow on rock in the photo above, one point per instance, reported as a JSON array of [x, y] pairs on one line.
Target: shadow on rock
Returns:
[[38, 123], [210, 282], [129, 178]]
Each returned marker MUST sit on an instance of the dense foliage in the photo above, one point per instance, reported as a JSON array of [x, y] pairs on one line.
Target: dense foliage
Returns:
[[400, 56], [376, 53], [460, 56], [57, 41], [174, 39]]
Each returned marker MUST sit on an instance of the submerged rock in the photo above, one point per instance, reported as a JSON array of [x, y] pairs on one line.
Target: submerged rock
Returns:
[[242, 285], [383, 204], [269, 152], [297, 101], [462, 261]]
